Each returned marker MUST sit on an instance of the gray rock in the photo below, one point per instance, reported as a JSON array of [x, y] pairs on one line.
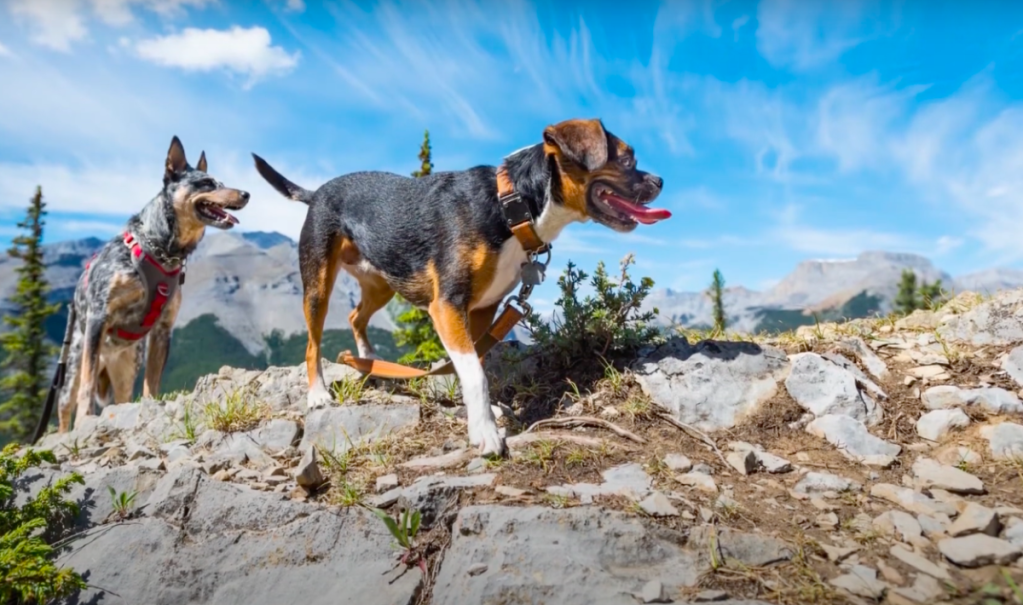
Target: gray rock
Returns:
[[712, 384], [678, 463], [703, 469], [977, 550], [744, 462], [338, 428], [853, 439], [870, 360], [919, 562], [900, 524], [576, 556], [700, 481], [861, 378], [975, 519], [957, 455], [911, 501], [861, 581], [994, 322], [276, 435], [1005, 440], [709, 596], [824, 388], [933, 474], [387, 482], [1013, 365], [753, 550], [436, 497], [235, 545], [654, 592], [1014, 534], [120, 417], [819, 482], [765, 460], [658, 505], [937, 424], [625, 480], [992, 400], [307, 473], [934, 527]]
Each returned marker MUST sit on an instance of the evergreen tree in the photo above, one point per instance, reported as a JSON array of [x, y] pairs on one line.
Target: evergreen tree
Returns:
[[415, 329], [906, 300], [27, 354], [930, 294], [717, 297], [424, 157]]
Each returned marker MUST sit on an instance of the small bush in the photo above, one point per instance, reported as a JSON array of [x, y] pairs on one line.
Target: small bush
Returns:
[[607, 324], [29, 573]]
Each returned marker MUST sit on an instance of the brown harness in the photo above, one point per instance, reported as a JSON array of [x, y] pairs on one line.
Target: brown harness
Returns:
[[521, 222]]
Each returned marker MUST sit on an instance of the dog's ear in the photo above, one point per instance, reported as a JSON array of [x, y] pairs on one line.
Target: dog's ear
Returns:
[[201, 164], [582, 141], [176, 162]]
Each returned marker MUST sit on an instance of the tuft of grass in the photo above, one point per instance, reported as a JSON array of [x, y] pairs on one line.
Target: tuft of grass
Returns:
[[238, 413], [557, 500], [636, 407], [350, 389], [614, 379], [122, 502], [190, 424], [541, 454], [349, 494]]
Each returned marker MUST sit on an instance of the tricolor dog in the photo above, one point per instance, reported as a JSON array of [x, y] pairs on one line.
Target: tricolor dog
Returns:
[[455, 243], [129, 295]]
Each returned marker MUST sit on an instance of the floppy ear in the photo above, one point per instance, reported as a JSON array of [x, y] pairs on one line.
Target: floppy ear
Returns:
[[582, 141], [201, 165], [176, 162]]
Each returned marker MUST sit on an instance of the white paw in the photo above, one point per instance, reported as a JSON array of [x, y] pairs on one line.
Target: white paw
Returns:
[[487, 437], [318, 399]]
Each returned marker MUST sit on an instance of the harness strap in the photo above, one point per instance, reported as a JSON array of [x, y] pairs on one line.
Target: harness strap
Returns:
[[520, 220], [160, 283]]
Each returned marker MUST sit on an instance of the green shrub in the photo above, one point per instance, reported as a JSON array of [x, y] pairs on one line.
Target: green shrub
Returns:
[[609, 323], [29, 572]]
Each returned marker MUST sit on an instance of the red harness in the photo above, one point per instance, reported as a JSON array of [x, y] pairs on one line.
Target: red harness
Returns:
[[160, 283]]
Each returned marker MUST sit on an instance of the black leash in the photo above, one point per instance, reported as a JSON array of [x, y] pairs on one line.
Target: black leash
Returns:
[[58, 376]]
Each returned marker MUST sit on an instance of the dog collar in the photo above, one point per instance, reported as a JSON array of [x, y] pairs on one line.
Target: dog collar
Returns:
[[518, 215]]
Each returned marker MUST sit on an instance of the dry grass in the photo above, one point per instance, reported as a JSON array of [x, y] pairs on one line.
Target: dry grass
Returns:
[[238, 412]]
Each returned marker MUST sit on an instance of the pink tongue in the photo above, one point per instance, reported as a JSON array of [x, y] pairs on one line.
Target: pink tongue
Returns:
[[647, 216], [220, 213]]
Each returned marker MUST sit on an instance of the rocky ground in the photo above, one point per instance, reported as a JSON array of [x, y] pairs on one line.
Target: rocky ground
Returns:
[[871, 461]]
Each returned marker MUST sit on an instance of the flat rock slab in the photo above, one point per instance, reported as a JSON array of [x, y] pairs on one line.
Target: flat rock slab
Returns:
[[998, 321], [336, 429], [977, 550], [577, 556], [210, 542], [932, 474], [853, 439], [1005, 440], [712, 384], [993, 400], [622, 480]]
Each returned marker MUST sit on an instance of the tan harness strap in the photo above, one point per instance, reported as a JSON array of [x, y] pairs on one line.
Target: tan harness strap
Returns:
[[520, 221]]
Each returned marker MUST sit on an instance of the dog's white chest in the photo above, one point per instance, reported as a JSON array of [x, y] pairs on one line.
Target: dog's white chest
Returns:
[[507, 274]]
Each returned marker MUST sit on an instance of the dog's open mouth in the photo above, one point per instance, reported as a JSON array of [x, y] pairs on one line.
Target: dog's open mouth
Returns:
[[215, 215], [625, 209]]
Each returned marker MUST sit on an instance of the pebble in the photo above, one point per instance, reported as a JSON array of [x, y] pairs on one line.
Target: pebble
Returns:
[[744, 462], [386, 482], [910, 500], [817, 482], [936, 425], [900, 524], [977, 550], [837, 554], [709, 596], [510, 492], [919, 562], [307, 473], [654, 592], [702, 482], [860, 581], [704, 469]]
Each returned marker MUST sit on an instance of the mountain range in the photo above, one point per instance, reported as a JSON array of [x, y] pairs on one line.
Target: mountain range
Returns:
[[244, 286]]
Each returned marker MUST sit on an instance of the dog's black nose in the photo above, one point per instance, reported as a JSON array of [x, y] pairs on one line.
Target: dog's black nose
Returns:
[[656, 181], [244, 195]]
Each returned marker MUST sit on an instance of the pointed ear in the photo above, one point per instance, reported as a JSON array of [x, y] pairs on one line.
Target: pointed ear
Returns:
[[582, 141], [201, 165], [176, 162]]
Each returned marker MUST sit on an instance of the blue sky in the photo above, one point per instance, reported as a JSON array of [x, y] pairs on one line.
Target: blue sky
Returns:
[[784, 130]]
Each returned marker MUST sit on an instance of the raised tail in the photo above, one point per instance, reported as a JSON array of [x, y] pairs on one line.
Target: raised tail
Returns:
[[282, 185]]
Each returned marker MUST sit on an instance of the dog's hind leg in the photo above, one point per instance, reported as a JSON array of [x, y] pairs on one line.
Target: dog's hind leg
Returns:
[[375, 295], [122, 370], [68, 395], [319, 272], [453, 327], [88, 370]]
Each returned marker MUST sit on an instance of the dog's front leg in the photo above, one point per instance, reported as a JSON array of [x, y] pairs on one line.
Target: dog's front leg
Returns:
[[452, 325], [158, 347], [88, 370]]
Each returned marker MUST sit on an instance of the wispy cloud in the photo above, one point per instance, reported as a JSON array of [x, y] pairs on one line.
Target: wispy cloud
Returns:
[[795, 234], [246, 51], [805, 34]]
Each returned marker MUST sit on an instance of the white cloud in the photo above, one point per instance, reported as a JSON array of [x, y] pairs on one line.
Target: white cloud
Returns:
[[797, 235], [55, 24], [119, 12], [805, 34], [295, 5], [246, 51]]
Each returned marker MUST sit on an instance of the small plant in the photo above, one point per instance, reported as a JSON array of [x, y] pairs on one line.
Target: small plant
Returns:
[[557, 500], [541, 454], [716, 292], [122, 502], [28, 573], [350, 389], [608, 323], [614, 379], [74, 450], [189, 428], [237, 413], [350, 494], [636, 407], [404, 530]]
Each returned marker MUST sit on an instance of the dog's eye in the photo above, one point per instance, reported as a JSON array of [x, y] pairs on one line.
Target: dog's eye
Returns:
[[627, 161], [206, 184]]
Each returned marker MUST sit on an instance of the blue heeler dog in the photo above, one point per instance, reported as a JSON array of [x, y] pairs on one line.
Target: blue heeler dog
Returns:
[[130, 290]]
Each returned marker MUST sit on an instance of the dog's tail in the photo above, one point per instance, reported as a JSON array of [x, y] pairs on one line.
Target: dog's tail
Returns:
[[282, 185]]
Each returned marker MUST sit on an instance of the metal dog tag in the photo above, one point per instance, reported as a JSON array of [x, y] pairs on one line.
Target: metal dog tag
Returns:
[[532, 274]]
